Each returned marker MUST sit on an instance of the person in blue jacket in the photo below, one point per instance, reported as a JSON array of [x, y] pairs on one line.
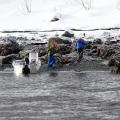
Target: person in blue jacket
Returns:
[[80, 45]]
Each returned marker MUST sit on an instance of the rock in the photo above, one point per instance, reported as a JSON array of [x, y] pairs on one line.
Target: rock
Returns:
[[114, 63], [98, 41], [9, 59], [115, 70], [111, 62], [42, 51], [106, 51], [64, 49], [68, 34], [55, 19], [67, 37], [94, 47], [89, 45], [93, 51], [12, 47], [44, 59]]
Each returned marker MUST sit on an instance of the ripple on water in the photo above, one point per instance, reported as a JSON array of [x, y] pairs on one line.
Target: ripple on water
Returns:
[[60, 95]]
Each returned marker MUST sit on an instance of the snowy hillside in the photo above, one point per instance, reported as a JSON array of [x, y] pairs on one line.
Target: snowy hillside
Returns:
[[72, 14]]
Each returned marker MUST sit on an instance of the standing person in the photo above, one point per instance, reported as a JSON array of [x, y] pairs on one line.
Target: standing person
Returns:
[[80, 44], [27, 60], [52, 45]]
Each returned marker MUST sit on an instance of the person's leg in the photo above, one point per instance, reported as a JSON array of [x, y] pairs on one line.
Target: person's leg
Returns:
[[51, 60], [80, 54]]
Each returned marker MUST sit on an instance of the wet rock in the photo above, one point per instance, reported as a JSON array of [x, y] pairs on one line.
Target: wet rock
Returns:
[[64, 49], [106, 51], [114, 63], [92, 52], [114, 70], [42, 51], [94, 47], [12, 47], [111, 62], [44, 59], [89, 45], [98, 41], [9, 59]]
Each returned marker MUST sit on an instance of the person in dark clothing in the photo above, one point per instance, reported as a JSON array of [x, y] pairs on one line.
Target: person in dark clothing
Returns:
[[27, 60], [26, 70], [80, 44]]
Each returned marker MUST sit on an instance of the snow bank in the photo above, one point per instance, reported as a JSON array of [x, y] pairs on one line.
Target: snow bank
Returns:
[[102, 14]]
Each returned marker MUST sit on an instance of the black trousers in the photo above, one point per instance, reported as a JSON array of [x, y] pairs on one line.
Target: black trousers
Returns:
[[80, 54], [80, 50]]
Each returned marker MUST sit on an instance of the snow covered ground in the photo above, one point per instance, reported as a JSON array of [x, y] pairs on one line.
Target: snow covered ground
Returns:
[[101, 14]]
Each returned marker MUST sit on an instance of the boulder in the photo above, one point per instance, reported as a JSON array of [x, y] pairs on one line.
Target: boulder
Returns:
[[111, 62], [9, 59], [68, 34], [98, 41], [64, 49], [115, 70], [12, 47], [42, 51], [55, 19], [89, 45], [106, 51]]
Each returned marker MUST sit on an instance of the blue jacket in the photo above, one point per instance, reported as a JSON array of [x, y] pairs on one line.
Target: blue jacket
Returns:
[[80, 43]]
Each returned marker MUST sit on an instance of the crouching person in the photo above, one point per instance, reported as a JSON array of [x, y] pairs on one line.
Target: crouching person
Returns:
[[26, 70]]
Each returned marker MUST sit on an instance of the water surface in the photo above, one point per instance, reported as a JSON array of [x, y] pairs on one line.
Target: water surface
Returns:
[[62, 95]]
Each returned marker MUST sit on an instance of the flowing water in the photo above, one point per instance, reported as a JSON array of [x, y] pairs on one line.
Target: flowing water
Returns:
[[60, 95]]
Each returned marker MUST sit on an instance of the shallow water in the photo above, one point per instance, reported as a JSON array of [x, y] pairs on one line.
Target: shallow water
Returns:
[[62, 95]]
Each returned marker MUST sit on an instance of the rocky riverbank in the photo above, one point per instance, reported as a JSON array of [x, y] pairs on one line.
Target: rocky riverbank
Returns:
[[106, 48]]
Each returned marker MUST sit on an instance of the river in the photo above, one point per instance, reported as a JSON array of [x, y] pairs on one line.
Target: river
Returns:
[[60, 95]]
